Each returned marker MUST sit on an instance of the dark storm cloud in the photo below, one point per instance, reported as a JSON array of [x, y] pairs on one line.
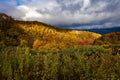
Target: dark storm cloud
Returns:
[[66, 12]]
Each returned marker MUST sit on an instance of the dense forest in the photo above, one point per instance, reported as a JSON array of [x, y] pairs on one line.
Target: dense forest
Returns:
[[31, 50]]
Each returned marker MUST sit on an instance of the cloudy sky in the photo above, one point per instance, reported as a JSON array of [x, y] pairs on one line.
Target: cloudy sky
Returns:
[[79, 14]]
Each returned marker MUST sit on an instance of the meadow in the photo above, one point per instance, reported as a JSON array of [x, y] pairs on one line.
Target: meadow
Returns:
[[74, 63]]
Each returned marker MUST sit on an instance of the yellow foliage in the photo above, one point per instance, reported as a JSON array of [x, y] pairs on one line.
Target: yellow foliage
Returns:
[[37, 43]]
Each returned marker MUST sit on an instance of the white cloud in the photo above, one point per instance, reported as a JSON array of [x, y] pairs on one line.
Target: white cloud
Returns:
[[29, 13], [86, 4], [65, 12]]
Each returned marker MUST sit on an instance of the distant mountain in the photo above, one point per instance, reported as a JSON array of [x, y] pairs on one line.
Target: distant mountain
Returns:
[[86, 27], [105, 30]]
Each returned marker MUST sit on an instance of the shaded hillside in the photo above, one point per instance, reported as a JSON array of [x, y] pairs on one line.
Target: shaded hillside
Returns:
[[109, 39], [39, 36], [9, 32]]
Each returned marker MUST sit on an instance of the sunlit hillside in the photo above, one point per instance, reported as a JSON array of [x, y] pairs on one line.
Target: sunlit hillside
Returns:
[[40, 36]]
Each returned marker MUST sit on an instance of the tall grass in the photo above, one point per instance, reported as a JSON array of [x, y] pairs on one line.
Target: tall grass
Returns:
[[75, 63]]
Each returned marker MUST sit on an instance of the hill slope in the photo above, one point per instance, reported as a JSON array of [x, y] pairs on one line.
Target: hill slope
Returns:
[[112, 38], [40, 36]]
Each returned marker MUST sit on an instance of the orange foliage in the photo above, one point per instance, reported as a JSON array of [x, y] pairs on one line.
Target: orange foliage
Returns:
[[81, 43], [37, 43]]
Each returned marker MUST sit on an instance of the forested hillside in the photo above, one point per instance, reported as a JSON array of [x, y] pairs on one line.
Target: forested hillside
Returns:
[[108, 39], [40, 36]]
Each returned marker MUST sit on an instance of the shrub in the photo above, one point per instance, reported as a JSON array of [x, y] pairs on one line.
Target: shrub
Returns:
[[74, 63]]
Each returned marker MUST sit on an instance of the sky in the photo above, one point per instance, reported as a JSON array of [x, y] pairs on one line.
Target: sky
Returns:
[[74, 14]]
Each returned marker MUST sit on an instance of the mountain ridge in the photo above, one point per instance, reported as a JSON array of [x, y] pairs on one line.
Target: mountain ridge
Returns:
[[102, 30], [105, 30]]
